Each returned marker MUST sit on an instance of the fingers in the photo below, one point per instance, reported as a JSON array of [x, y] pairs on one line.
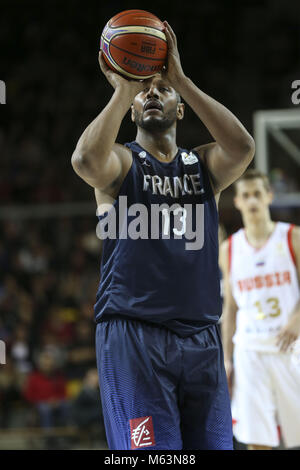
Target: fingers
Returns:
[[101, 60], [284, 340], [103, 65], [170, 35]]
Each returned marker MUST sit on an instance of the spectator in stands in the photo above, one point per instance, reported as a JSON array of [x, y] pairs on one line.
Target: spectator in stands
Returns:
[[19, 349], [10, 392], [46, 390], [81, 353], [59, 325], [86, 406]]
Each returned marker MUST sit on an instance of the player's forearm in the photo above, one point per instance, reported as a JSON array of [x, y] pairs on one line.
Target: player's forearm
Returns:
[[96, 142], [224, 127], [228, 327]]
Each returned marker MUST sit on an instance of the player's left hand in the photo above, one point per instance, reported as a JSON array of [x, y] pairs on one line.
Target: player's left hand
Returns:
[[173, 72], [289, 333]]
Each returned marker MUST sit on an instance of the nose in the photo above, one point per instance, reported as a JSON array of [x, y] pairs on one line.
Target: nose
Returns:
[[152, 92], [252, 201]]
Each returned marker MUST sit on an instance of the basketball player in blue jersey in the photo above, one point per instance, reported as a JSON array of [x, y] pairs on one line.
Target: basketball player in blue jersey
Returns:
[[159, 355]]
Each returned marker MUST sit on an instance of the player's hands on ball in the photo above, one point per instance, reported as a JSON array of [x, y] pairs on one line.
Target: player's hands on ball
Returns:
[[173, 72], [289, 333], [118, 81]]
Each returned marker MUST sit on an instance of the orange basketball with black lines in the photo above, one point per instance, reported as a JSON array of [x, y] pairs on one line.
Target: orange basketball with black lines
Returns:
[[134, 44]]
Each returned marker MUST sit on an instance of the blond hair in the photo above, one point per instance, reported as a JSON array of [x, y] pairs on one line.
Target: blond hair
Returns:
[[252, 174]]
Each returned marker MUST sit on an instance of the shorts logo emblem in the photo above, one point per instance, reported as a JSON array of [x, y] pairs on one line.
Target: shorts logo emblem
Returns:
[[141, 432]]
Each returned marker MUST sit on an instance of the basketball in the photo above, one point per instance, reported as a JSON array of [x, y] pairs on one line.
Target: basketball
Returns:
[[134, 44]]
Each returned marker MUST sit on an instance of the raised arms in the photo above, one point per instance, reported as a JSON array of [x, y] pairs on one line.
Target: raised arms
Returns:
[[97, 158], [229, 156]]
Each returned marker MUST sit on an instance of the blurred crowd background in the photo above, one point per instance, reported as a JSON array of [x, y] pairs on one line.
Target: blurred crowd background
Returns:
[[245, 54], [49, 274]]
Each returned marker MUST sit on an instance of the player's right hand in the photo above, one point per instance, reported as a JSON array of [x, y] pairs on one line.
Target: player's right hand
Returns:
[[118, 81], [174, 72]]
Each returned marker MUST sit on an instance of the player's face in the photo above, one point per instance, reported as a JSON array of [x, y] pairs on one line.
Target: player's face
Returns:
[[252, 198], [156, 108]]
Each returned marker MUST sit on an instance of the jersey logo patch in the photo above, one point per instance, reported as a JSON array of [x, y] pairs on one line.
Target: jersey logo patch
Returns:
[[143, 156], [189, 159], [260, 263], [141, 432]]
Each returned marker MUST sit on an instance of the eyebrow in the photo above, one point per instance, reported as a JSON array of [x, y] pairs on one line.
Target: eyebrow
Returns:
[[159, 82]]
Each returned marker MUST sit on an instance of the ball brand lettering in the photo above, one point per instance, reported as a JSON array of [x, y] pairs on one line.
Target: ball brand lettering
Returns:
[[133, 64], [148, 48]]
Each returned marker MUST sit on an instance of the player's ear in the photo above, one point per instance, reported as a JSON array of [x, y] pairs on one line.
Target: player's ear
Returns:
[[180, 111]]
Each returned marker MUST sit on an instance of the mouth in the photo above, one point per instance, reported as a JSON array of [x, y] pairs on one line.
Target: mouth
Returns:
[[153, 105], [253, 210]]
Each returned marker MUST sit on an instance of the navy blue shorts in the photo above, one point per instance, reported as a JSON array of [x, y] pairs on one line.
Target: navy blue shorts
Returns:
[[160, 391]]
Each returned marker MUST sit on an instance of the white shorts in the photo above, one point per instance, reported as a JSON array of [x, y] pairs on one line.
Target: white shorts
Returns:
[[266, 398]]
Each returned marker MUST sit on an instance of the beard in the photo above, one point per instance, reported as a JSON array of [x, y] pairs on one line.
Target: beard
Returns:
[[154, 124]]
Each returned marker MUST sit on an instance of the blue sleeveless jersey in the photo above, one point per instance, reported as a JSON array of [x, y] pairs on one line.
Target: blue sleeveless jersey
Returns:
[[160, 260]]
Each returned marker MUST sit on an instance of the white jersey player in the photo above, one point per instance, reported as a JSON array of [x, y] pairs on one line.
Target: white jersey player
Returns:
[[261, 320]]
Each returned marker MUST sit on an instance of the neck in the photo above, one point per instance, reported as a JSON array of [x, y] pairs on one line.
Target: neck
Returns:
[[162, 145], [259, 231]]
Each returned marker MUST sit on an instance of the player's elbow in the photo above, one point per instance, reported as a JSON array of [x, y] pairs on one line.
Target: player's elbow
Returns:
[[248, 149], [81, 162], [76, 160], [244, 155]]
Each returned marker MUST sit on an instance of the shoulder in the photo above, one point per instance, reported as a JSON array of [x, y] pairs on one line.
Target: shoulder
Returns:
[[295, 233], [295, 239], [203, 150], [227, 246], [123, 151], [201, 153], [294, 246], [292, 232]]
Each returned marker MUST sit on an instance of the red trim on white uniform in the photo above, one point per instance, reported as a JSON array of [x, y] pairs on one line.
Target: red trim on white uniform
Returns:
[[290, 244], [279, 432]]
